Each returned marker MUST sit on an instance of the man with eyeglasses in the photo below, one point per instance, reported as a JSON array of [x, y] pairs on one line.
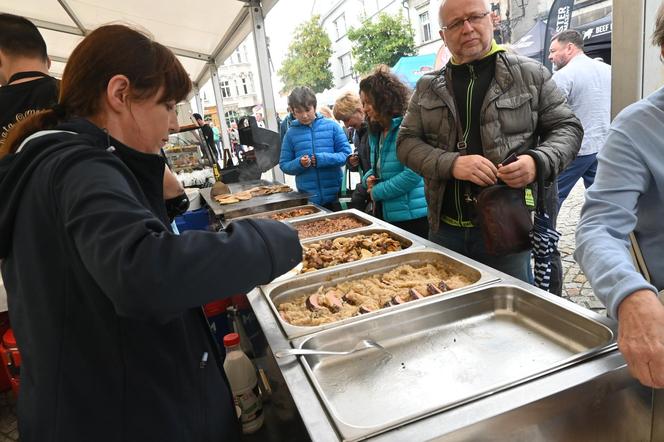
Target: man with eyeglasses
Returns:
[[494, 104]]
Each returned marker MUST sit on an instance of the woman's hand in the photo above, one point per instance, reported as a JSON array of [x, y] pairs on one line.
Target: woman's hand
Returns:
[[305, 161]]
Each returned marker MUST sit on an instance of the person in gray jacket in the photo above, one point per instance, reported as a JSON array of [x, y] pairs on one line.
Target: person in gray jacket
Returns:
[[628, 196], [505, 104]]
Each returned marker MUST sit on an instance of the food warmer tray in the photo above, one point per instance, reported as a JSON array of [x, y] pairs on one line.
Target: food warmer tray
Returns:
[[283, 291], [445, 353]]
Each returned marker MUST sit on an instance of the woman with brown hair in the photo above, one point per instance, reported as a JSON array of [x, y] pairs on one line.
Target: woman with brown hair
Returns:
[[103, 297], [397, 191]]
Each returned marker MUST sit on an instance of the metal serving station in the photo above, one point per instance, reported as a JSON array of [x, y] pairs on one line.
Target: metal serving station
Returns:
[[498, 359]]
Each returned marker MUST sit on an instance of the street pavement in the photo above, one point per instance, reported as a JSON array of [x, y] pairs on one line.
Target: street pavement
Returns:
[[576, 289]]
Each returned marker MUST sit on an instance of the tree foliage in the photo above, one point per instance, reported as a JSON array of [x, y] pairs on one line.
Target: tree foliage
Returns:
[[385, 41], [308, 60]]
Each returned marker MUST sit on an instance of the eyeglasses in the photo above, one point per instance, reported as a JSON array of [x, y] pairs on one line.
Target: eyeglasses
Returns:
[[473, 20]]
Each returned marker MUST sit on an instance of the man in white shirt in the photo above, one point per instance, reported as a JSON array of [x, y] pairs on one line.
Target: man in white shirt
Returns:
[[587, 85]]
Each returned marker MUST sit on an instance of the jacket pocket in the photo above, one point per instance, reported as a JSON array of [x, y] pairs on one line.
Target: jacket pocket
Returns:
[[435, 117], [515, 114]]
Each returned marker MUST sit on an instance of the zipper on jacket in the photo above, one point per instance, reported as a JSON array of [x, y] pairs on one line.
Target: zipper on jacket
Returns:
[[313, 152], [466, 133]]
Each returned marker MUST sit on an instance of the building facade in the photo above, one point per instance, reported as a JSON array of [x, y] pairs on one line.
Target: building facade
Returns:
[[337, 18]]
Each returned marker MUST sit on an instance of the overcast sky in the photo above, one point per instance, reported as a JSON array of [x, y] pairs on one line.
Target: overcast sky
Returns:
[[280, 23]]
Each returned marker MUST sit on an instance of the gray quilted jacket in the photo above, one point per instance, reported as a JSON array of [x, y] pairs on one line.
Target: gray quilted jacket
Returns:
[[523, 112]]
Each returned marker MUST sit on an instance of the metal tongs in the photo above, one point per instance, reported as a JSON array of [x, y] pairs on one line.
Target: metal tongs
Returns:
[[364, 344]]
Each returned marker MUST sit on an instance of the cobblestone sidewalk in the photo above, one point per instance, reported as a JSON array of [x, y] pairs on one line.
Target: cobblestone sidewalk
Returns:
[[576, 287]]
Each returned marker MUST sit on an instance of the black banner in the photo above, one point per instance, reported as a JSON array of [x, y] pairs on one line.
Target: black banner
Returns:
[[560, 16]]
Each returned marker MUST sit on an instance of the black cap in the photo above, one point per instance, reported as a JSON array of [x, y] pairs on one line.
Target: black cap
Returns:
[[197, 116]]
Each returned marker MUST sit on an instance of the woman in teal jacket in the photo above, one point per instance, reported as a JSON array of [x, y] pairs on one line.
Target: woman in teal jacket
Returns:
[[397, 191]]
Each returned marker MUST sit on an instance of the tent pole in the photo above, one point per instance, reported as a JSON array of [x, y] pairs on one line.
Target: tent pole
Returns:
[[214, 78], [262, 57], [199, 102]]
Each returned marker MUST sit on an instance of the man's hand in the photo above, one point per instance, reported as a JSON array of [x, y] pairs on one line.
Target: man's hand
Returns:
[[305, 161], [313, 160], [519, 173], [476, 169], [641, 337]]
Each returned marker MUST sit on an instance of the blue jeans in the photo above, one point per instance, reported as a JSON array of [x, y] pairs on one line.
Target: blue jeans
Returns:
[[583, 166], [468, 241]]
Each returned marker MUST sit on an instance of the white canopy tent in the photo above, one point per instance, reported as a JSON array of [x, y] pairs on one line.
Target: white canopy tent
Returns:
[[201, 35]]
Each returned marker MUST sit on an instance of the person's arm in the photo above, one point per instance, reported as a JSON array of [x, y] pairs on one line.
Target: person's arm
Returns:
[[412, 149], [608, 217], [341, 149], [398, 185], [146, 271], [287, 161]]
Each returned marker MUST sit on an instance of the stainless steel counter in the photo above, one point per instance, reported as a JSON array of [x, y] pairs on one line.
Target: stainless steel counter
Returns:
[[589, 398]]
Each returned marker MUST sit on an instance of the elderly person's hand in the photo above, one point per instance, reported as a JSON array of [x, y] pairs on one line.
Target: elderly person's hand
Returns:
[[519, 173], [641, 336], [476, 169]]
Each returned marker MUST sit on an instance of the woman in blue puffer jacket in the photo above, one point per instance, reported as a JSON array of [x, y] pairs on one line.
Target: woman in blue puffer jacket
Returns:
[[397, 191], [314, 149]]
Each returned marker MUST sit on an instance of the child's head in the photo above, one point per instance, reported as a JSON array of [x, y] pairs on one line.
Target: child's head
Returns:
[[302, 101]]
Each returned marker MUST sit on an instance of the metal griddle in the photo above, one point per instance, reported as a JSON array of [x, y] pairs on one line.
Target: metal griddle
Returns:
[[256, 204]]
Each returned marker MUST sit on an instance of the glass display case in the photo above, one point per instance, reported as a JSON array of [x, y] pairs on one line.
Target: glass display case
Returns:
[[187, 151]]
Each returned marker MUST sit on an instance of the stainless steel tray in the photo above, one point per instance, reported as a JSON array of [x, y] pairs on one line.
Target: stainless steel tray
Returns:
[[277, 293], [263, 215], [446, 353], [363, 218], [256, 204], [407, 242]]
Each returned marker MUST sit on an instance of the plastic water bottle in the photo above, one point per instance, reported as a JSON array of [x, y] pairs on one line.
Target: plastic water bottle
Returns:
[[244, 384]]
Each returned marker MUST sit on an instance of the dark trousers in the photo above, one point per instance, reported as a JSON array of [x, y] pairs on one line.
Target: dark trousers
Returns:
[[469, 242], [419, 226], [334, 206], [584, 166]]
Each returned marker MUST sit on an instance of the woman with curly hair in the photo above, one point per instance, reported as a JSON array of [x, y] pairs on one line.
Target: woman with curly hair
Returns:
[[397, 191]]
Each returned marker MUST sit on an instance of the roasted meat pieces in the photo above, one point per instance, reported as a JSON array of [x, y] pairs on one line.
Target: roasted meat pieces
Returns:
[[400, 285], [326, 226], [327, 253]]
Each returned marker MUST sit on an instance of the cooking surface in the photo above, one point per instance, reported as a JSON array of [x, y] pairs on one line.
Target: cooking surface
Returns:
[[256, 204], [444, 354]]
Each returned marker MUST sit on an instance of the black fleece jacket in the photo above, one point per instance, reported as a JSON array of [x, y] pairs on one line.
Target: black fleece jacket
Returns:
[[104, 298]]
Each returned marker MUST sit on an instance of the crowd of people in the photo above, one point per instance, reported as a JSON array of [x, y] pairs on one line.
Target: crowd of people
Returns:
[[102, 296]]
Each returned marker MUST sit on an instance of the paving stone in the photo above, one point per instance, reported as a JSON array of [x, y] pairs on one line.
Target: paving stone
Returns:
[[580, 278]]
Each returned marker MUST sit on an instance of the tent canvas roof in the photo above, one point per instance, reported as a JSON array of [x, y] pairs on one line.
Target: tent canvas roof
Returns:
[[410, 69], [196, 33], [532, 42]]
